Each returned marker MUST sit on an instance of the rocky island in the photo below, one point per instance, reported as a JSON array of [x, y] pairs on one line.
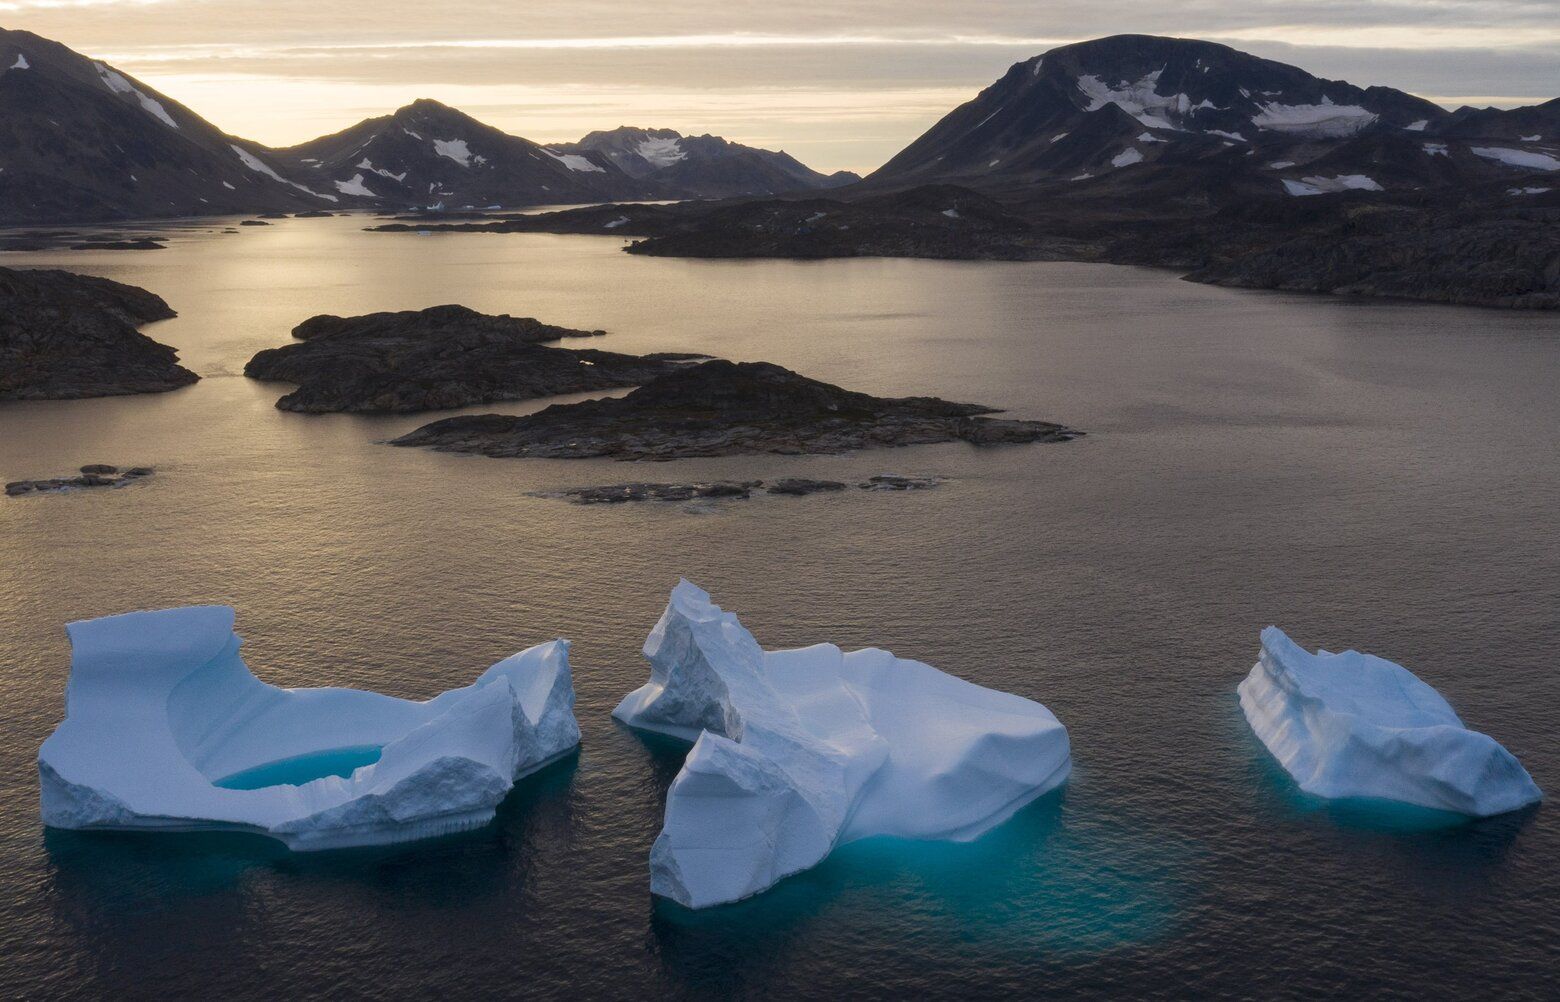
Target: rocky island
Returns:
[[721, 408], [741, 490], [934, 221], [65, 336], [91, 475], [440, 358]]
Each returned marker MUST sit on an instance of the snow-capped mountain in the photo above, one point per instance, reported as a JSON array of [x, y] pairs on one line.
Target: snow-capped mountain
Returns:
[[1134, 110], [81, 140], [430, 154], [704, 166]]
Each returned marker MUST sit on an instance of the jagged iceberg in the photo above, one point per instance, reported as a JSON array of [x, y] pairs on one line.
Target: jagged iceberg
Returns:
[[1355, 725], [796, 752], [166, 729]]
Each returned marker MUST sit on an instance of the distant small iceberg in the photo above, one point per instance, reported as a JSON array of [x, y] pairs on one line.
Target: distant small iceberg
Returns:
[[166, 729], [1353, 725], [797, 752]]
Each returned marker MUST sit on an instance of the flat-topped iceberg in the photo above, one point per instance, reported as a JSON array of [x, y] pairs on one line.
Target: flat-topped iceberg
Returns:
[[1354, 725], [796, 752], [166, 729]]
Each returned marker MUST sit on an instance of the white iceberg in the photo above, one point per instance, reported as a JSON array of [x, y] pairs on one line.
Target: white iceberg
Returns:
[[166, 729], [797, 752], [1355, 725]]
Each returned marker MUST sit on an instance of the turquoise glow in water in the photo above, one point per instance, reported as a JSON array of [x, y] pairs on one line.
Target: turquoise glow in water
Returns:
[[302, 769]]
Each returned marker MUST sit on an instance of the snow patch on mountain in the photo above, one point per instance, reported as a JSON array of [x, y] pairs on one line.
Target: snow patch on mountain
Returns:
[[259, 166], [1137, 99], [366, 164], [1328, 185], [1322, 121], [1517, 158], [458, 151], [575, 162], [119, 85], [661, 152], [1126, 158], [21, 63], [1437, 150], [354, 187]]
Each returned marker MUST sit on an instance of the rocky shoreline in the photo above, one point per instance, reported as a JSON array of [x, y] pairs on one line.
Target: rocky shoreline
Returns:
[[1479, 247], [721, 408], [65, 336], [441, 358]]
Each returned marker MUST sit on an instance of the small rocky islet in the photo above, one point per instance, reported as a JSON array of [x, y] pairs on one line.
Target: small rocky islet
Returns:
[[441, 358], [721, 490], [65, 336], [91, 475], [722, 408]]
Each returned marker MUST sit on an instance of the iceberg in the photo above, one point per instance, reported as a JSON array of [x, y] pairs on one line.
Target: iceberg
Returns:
[[799, 751], [166, 729], [1355, 725]]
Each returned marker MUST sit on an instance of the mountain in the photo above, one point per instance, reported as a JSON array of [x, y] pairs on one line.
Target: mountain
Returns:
[[80, 140], [704, 166], [1127, 112], [429, 154], [1181, 154]]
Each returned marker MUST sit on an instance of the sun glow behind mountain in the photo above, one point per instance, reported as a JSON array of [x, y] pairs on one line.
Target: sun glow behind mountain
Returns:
[[843, 86]]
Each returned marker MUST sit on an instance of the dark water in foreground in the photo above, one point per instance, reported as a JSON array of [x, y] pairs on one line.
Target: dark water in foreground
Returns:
[[1375, 475]]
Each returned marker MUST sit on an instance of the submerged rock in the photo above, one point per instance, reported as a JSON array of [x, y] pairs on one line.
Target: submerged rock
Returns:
[[798, 752], [617, 493], [1353, 725], [145, 243], [799, 486], [64, 336], [896, 482], [724, 408], [439, 358], [166, 729]]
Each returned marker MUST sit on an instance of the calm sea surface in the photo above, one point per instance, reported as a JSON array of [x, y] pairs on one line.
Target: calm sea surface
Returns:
[[1371, 475]]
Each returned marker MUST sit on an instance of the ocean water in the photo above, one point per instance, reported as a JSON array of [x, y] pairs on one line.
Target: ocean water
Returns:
[[1364, 474]]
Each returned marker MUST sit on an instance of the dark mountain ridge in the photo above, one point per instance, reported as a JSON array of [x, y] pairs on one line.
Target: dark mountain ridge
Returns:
[[80, 140], [705, 166]]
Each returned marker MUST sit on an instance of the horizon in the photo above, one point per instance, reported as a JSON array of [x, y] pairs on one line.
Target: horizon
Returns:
[[839, 95]]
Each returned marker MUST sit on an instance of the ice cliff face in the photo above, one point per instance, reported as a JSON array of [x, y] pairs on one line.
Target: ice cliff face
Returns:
[[161, 709], [796, 752], [1355, 725]]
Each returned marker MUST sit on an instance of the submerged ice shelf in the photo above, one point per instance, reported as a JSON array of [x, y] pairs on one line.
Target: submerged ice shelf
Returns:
[[797, 752], [166, 729], [1353, 725]]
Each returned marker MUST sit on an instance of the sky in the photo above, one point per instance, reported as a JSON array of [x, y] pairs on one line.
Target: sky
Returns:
[[842, 84]]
